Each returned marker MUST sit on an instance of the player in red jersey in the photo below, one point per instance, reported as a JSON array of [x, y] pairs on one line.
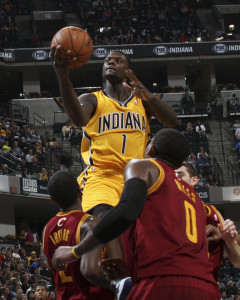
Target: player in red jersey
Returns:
[[163, 224], [225, 233], [67, 228]]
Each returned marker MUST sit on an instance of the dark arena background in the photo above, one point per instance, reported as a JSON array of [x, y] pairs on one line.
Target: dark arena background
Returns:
[[186, 48]]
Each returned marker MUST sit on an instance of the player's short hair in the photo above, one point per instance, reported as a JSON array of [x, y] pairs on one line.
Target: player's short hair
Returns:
[[190, 169], [63, 188], [127, 57], [42, 284], [172, 146]]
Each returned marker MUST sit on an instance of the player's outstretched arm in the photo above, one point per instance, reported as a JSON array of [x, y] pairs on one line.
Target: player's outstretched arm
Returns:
[[139, 175], [78, 110], [154, 105], [230, 235]]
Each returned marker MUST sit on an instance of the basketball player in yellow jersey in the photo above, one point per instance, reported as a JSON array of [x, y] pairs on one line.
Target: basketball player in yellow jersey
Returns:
[[116, 127]]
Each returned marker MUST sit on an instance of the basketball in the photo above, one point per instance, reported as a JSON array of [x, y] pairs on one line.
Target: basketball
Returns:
[[77, 41]]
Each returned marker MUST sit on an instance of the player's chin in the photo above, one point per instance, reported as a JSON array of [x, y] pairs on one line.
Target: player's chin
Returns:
[[109, 75]]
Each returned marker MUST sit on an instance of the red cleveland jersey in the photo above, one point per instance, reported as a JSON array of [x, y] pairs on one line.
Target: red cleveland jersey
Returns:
[[168, 238], [64, 230], [215, 249]]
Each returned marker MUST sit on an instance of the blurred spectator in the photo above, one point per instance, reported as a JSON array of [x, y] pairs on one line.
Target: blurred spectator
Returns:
[[31, 295], [38, 263], [5, 170], [183, 38], [47, 137], [231, 289], [19, 172], [204, 164], [32, 258], [189, 130], [45, 272], [19, 294], [43, 175], [238, 147], [202, 150], [36, 137], [219, 105], [224, 296], [201, 181], [235, 103], [51, 172], [31, 130], [6, 294], [67, 130], [29, 161], [187, 103], [237, 134], [200, 128], [209, 111], [211, 180], [180, 126], [26, 142], [192, 159], [189, 127], [236, 125], [5, 147], [17, 150]]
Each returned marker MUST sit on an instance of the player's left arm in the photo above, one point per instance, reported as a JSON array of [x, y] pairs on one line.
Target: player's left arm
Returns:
[[90, 262], [139, 175], [153, 105]]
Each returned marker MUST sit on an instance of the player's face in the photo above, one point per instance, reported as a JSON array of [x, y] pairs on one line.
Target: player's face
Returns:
[[41, 293], [183, 173], [114, 66]]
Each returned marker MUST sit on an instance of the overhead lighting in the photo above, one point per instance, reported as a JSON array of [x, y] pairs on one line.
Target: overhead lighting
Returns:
[[231, 27]]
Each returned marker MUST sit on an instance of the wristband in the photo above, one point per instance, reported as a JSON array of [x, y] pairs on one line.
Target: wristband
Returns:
[[75, 254]]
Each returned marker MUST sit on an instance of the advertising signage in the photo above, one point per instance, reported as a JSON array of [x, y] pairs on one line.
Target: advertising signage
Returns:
[[133, 51], [34, 187]]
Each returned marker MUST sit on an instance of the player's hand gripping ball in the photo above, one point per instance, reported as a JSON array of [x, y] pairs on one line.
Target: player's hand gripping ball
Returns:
[[77, 41]]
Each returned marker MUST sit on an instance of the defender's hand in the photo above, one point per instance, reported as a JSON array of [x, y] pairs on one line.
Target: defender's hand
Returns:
[[62, 256]]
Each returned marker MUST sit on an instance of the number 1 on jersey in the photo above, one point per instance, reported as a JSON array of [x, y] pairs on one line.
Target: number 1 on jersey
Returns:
[[124, 143]]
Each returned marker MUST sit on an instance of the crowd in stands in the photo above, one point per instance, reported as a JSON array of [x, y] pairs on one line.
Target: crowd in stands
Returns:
[[116, 22], [229, 280], [199, 157], [21, 271], [25, 153]]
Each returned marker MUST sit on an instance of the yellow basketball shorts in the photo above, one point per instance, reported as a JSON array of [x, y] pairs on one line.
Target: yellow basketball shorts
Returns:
[[100, 186]]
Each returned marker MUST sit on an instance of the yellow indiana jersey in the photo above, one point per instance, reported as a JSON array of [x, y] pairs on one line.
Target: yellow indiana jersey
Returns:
[[116, 133]]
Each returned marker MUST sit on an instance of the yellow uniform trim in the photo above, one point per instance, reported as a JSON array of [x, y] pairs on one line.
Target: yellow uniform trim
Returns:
[[160, 179], [79, 227], [75, 254], [65, 213], [207, 210]]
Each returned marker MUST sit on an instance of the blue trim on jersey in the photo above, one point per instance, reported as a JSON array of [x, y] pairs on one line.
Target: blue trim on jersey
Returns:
[[87, 137], [121, 103]]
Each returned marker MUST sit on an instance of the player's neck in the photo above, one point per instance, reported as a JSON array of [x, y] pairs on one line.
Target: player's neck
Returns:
[[117, 91], [76, 206]]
